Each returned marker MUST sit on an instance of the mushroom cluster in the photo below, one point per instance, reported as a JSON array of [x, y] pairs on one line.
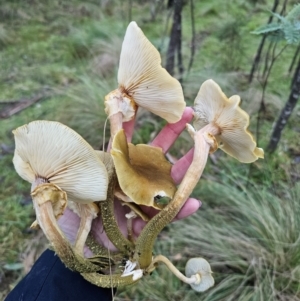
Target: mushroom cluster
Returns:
[[64, 170]]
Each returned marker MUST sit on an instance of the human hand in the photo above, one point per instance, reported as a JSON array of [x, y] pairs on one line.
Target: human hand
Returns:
[[69, 221]]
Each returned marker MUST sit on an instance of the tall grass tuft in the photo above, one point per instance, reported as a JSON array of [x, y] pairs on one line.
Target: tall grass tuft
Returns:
[[84, 40], [5, 36], [84, 111], [250, 235]]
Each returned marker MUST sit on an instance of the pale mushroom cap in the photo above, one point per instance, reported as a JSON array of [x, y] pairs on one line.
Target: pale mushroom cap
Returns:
[[52, 151], [142, 77], [143, 172], [202, 267], [213, 107]]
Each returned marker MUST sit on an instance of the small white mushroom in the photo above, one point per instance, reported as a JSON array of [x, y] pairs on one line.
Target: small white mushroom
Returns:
[[53, 157], [197, 270], [200, 269], [142, 82]]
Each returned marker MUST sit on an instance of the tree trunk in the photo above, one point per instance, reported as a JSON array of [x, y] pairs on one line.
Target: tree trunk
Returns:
[[286, 112], [284, 7], [175, 38]]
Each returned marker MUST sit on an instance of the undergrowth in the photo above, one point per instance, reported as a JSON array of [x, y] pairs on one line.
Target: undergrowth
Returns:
[[249, 232], [249, 223]]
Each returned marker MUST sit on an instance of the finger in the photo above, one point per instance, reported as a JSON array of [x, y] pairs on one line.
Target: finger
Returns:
[[69, 224], [138, 226], [167, 136], [180, 168], [190, 207]]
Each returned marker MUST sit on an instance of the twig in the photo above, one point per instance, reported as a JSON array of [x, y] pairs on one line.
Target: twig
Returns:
[[21, 105], [286, 111], [179, 54], [261, 45], [165, 30], [193, 36], [175, 37], [155, 8], [294, 60], [262, 103], [265, 82], [129, 11], [9, 102], [283, 7], [267, 59]]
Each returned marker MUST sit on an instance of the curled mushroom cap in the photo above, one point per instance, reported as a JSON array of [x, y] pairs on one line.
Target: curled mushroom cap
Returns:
[[53, 152], [143, 172], [200, 267], [143, 81], [213, 107]]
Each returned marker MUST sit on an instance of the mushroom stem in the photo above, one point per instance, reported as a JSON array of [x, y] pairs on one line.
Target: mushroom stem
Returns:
[[96, 248], [145, 241], [109, 281], [112, 109], [115, 123], [102, 256], [109, 221], [44, 212], [87, 213], [120, 108], [44, 197], [160, 258], [130, 216]]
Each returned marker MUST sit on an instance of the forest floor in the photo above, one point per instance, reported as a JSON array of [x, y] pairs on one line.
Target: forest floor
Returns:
[[60, 59]]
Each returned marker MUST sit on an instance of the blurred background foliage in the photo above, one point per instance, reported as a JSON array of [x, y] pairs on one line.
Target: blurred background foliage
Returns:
[[59, 59]]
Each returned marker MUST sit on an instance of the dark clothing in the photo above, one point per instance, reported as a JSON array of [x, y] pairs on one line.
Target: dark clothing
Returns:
[[50, 280]]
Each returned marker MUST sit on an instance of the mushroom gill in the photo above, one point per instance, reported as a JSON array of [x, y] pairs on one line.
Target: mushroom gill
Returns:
[[60, 164], [143, 82], [212, 107]]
